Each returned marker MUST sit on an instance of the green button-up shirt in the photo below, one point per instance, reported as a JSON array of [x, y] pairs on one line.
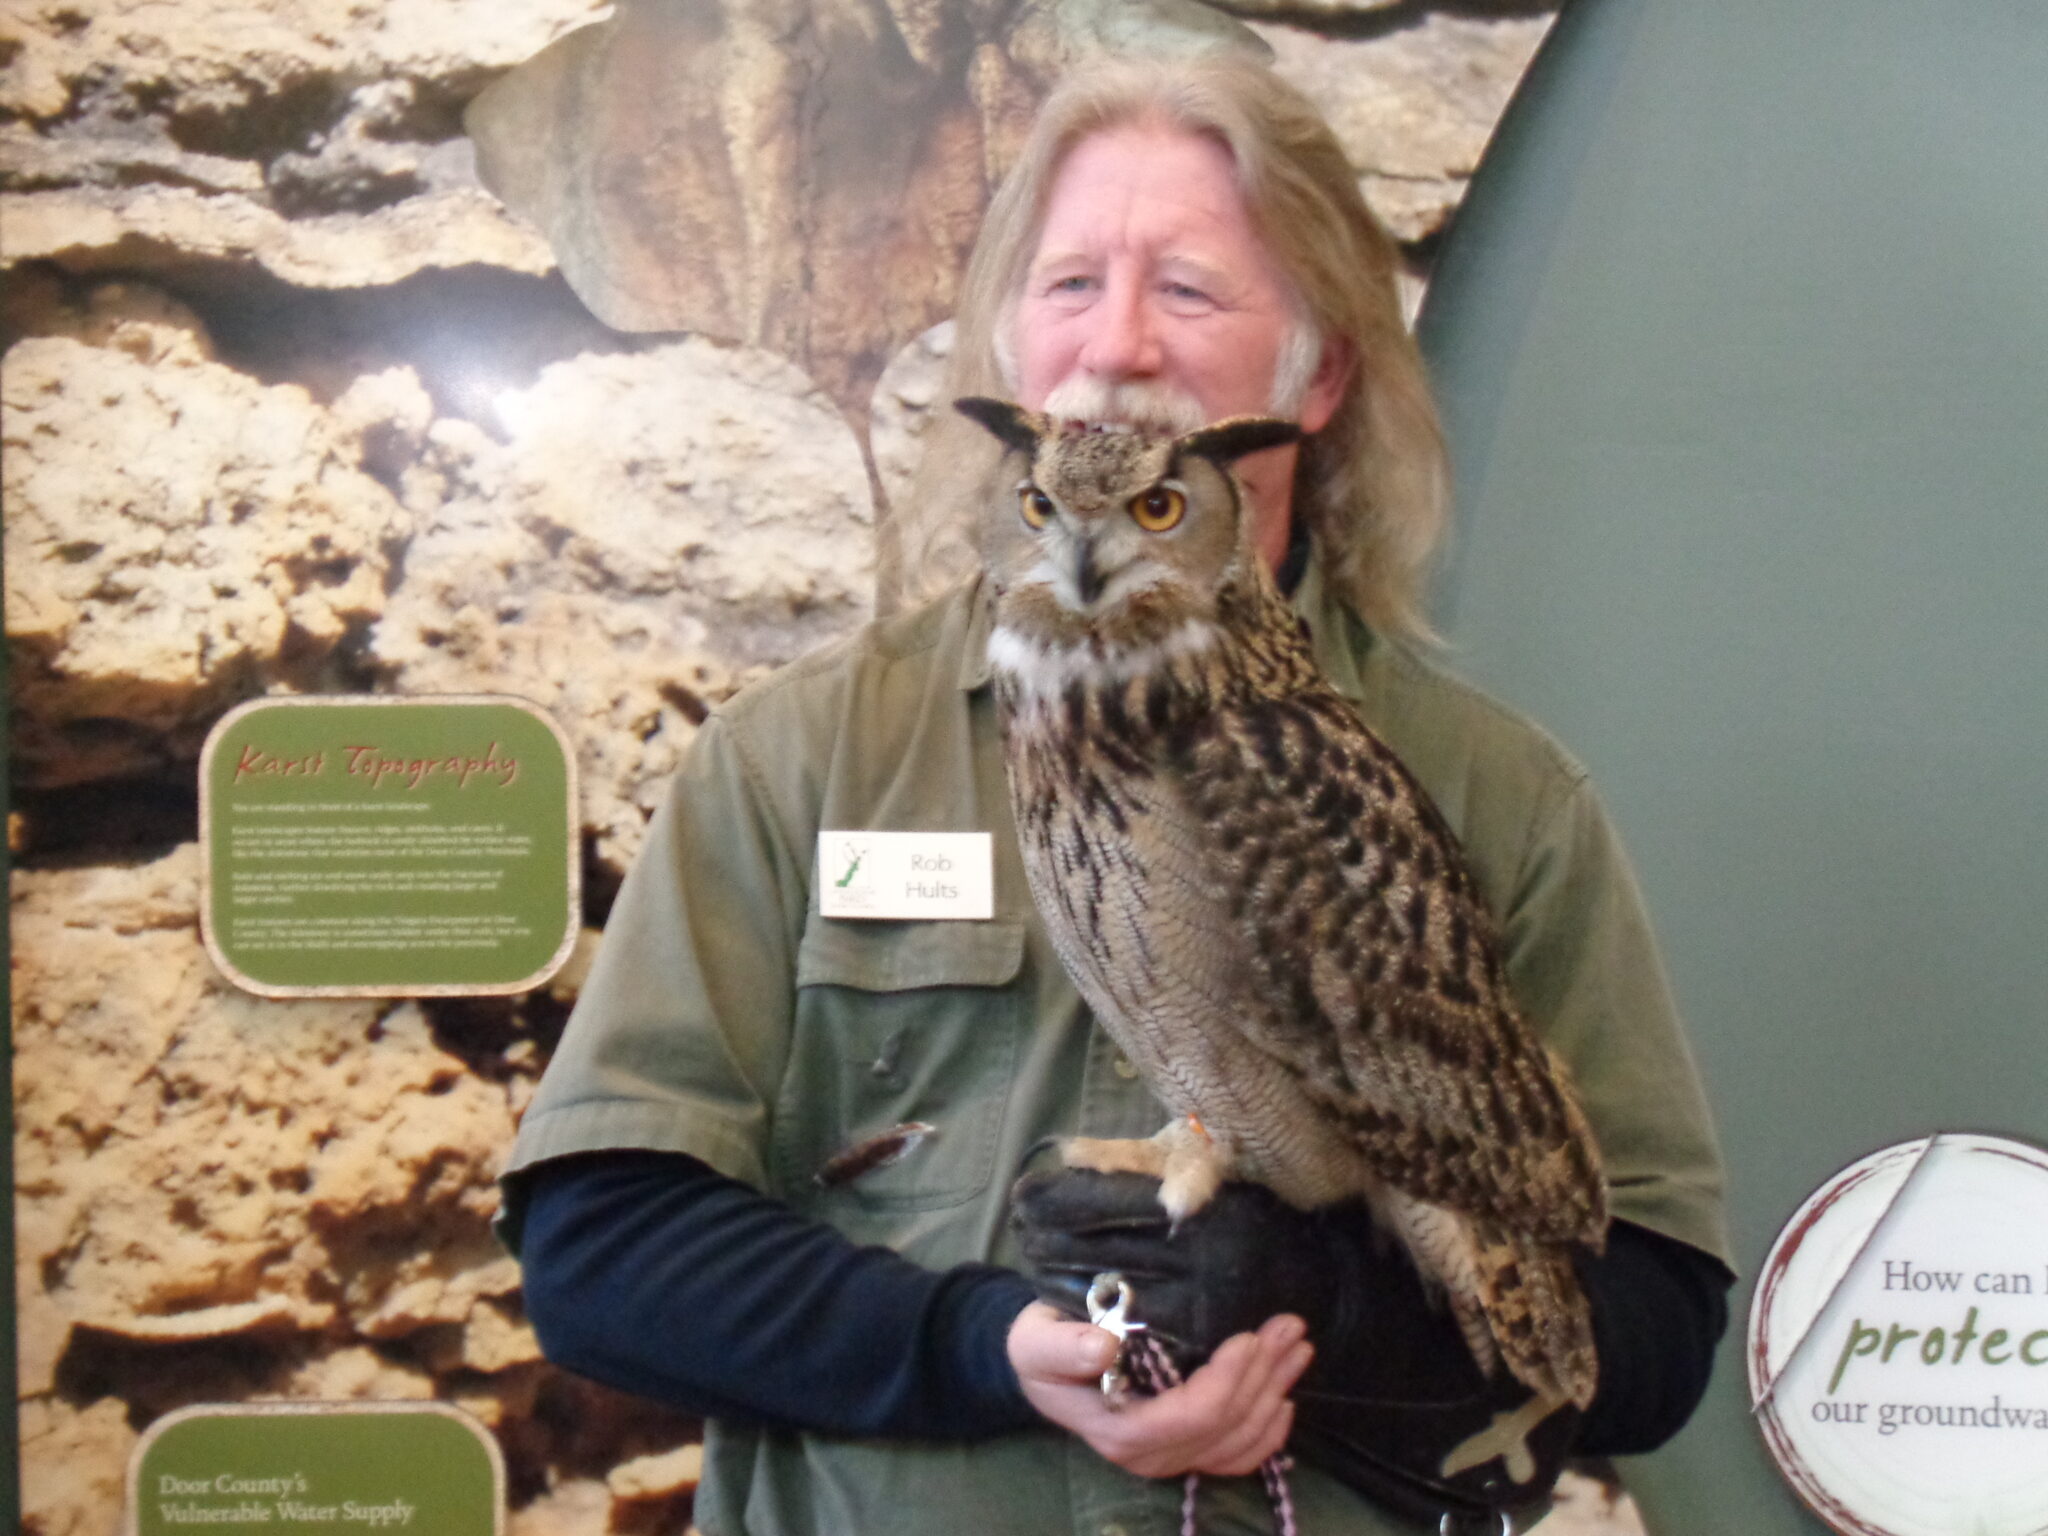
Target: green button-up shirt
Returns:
[[725, 1018]]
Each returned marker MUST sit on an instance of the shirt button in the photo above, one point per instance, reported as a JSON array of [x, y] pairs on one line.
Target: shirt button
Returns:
[[1125, 1068]]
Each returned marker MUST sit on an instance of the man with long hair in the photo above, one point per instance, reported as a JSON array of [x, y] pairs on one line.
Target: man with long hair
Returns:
[[1371, 485], [767, 1176]]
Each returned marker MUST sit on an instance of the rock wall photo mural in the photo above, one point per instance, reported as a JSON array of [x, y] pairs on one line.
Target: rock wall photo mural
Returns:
[[294, 404]]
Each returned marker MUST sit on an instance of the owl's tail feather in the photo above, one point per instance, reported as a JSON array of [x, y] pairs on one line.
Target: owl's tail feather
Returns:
[[1539, 1317]]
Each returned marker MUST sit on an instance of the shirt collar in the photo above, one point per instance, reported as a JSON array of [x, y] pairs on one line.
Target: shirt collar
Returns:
[[1339, 636]]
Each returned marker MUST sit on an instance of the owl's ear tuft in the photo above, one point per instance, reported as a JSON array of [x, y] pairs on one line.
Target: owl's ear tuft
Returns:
[[1011, 425], [1225, 442]]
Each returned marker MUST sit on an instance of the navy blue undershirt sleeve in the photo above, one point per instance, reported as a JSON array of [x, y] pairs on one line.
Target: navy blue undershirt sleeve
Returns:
[[652, 1273], [1659, 1308]]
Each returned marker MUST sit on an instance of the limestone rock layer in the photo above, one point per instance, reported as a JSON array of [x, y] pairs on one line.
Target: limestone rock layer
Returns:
[[292, 404]]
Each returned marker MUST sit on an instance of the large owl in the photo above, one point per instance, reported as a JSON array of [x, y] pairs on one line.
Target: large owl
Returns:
[[1258, 901]]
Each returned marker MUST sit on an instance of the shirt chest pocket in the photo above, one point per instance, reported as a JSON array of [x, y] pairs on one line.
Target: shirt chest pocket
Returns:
[[899, 1024]]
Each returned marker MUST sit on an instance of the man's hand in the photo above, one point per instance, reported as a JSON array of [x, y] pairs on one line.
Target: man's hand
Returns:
[[1226, 1418], [1394, 1399], [1243, 1258]]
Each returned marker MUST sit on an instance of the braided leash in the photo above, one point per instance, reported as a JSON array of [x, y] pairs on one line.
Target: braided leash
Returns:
[[1142, 1362], [1153, 1371]]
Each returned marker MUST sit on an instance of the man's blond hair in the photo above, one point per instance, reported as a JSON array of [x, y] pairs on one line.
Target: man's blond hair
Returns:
[[1372, 484]]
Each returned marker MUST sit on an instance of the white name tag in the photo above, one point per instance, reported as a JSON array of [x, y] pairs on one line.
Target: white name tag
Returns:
[[907, 874]]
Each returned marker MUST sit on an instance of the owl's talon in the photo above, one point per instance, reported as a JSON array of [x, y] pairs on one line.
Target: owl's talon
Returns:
[[1194, 1168], [1122, 1155], [1188, 1163]]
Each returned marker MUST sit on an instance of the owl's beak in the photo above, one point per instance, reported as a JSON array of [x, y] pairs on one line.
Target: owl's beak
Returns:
[[1088, 580]]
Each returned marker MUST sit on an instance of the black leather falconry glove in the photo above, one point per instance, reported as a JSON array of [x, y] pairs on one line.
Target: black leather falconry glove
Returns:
[[1392, 1405]]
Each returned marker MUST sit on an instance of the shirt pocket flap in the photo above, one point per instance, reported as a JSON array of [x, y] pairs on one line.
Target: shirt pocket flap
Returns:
[[875, 956], [899, 1023]]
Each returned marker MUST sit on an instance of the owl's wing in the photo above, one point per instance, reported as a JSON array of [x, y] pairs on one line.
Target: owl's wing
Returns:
[[1381, 977]]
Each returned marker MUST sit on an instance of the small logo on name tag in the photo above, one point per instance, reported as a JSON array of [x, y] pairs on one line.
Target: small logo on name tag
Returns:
[[944, 875]]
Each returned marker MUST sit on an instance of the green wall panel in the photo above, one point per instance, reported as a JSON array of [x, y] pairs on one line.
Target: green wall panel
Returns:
[[1743, 343]]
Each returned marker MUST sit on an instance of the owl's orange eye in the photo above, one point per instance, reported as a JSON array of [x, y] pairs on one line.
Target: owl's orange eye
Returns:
[[1158, 509], [1034, 506]]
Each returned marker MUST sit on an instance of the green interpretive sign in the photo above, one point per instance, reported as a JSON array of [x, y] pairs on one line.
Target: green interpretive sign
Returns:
[[312, 1468], [372, 846]]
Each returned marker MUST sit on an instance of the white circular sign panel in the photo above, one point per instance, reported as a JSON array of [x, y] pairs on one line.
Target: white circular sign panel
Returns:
[[1898, 1342]]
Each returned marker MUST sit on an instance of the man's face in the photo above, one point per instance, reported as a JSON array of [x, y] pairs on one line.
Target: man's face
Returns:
[[1148, 272]]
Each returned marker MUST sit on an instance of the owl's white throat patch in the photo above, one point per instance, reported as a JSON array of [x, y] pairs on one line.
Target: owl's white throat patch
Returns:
[[1042, 672]]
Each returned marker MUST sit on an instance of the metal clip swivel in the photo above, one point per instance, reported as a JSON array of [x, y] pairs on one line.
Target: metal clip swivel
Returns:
[[1109, 1308], [1454, 1525]]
